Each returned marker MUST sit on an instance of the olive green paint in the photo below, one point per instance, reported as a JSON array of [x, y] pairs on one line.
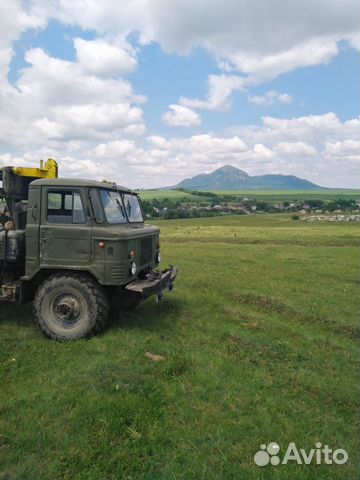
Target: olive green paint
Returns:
[[95, 247]]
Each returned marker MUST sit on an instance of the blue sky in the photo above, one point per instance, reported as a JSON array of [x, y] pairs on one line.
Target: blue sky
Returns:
[[316, 90], [120, 90]]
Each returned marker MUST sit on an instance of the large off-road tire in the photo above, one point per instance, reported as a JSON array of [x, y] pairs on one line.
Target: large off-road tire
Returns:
[[69, 306]]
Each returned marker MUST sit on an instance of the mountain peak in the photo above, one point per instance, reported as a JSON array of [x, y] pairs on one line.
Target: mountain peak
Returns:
[[229, 169], [229, 177]]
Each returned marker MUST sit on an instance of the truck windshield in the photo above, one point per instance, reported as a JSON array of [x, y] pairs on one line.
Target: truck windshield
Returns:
[[113, 207], [132, 208]]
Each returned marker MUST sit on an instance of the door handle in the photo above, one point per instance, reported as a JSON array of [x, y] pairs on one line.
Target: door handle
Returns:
[[34, 211]]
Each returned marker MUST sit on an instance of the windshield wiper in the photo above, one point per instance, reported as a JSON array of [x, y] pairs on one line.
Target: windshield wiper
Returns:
[[128, 208], [120, 207]]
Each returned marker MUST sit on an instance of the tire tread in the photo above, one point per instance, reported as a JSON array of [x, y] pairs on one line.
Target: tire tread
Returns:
[[95, 290]]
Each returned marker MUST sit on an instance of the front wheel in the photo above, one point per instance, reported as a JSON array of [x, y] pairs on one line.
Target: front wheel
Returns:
[[70, 306]]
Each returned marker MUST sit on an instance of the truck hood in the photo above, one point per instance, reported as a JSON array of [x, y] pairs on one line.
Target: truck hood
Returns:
[[125, 232]]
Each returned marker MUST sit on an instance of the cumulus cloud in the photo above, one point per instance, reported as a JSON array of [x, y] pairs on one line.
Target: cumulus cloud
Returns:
[[56, 99], [14, 20], [347, 149], [180, 116], [115, 149], [60, 81], [260, 40], [319, 148], [220, 89], [90, 118], [100, 58], [301, 149], [250, 38], [260, 69], [270, 98], [310, 127]]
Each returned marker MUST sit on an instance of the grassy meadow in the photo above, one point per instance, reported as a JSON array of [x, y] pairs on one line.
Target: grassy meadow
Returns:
[[266, 195], [259, 344]]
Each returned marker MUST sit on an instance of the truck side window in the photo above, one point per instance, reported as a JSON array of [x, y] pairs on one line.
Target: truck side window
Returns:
[[54, 200], [78, 215], [65, 208]]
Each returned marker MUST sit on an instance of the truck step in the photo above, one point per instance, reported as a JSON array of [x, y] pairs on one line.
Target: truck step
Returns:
[[8, 292]]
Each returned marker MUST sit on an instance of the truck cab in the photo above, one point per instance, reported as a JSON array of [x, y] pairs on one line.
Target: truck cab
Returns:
[[90, 226], [77, 246]]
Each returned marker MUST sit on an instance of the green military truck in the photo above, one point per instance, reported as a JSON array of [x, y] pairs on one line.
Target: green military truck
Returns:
[[73, 247]]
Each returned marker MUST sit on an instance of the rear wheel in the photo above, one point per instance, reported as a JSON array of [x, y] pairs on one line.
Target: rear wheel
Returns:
[[70, 306]]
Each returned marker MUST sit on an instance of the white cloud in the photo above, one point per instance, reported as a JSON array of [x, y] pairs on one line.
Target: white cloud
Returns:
[[115, 149], [301, 149], [158, 142], [285, 98], [308, 127], [260, 40], [13, 21], [262, 68], [60, 100], [180, 116], [355, 40], [220, 89], [259, 150], [263, 39], [347, 149], [107, 17], [89, 117], [100, 58], [270, 98], [57, 81], [330, 155], [100, 116]]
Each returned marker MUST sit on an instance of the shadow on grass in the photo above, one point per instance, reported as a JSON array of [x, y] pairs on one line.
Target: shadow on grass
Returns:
[[149, 315], [16, 314]]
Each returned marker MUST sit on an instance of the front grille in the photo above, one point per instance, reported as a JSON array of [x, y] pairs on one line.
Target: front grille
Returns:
[[118, 273], [146, 249]]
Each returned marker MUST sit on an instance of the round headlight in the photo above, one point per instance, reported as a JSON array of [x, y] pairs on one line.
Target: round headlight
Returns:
[[133, 268], [158, 257]]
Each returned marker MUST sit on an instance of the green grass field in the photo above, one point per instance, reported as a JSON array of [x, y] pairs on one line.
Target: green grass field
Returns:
[[172, 194], [259, 340], [275, 195]]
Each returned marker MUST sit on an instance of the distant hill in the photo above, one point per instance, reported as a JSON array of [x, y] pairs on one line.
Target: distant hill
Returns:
[[232, 178]]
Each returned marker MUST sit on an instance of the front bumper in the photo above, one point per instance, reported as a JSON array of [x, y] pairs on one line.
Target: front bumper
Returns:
[[154, 282]]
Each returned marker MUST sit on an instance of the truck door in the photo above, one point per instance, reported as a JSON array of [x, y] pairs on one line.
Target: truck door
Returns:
[[32, 231], [64, 228]]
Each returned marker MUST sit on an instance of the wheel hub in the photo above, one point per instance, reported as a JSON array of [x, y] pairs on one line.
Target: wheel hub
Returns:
[[66, 309]]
